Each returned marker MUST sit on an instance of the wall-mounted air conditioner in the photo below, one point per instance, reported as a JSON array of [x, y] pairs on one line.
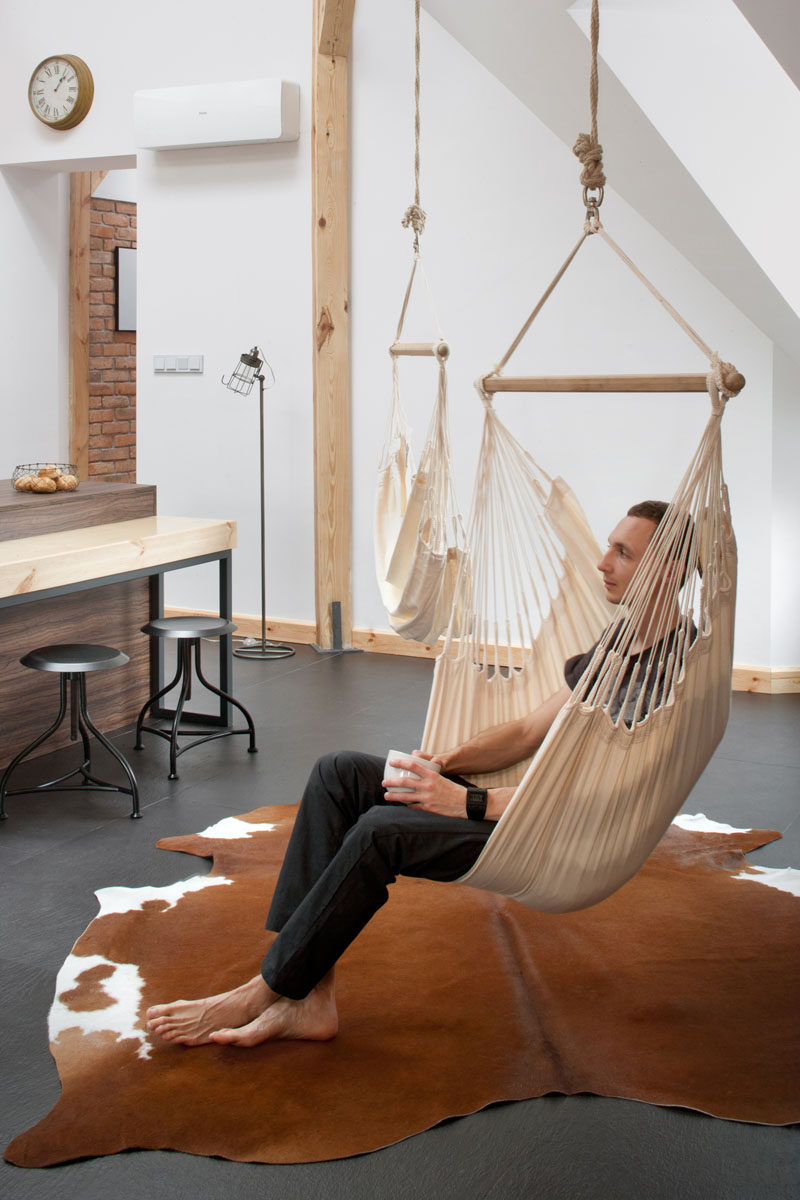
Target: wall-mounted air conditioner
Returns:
[[217, 114]]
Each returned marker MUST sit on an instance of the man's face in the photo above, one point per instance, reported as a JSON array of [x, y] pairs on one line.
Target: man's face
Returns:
[[626, 546]]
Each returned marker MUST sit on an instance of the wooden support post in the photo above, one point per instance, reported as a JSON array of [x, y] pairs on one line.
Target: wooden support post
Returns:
[[82, 184], [333, 21]]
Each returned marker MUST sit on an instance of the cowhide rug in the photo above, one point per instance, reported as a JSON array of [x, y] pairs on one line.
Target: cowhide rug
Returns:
[[681, 989]]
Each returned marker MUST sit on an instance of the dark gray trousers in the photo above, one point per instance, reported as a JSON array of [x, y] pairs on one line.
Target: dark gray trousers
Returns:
[[348, 844]]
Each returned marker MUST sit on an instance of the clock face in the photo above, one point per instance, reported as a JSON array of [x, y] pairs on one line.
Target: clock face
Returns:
[[60, 91]]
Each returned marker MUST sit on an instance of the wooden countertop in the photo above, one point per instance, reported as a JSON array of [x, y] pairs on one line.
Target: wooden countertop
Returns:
[[49, 560], [94, 502]]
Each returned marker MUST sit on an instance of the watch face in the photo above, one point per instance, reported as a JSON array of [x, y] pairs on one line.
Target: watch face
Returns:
[[53, 90]]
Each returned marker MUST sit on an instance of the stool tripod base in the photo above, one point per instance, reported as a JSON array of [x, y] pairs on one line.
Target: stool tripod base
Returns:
[[186, 645], [82, 726]]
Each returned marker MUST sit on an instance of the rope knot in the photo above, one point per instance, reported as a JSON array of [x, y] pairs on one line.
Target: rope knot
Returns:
[[590, 153], [414, 218], [480, 388], [718, 393]]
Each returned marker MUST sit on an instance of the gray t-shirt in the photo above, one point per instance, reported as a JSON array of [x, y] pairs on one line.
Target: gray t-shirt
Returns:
[[636, 675]]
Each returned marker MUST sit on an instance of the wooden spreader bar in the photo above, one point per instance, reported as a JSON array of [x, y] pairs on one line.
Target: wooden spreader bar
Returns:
[[734, 382], [420, 349]]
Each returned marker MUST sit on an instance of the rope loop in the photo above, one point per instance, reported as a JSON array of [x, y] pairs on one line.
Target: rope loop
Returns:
[[587, 147], [415, 215]]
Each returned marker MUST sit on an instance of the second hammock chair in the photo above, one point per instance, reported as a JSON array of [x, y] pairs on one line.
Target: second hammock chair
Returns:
[[639, 728], [419, 539], [418, 534]]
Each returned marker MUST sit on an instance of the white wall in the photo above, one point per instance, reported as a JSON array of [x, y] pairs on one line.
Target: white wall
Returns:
[[224, 265], [224, 262], [785, 514], [504, 208]]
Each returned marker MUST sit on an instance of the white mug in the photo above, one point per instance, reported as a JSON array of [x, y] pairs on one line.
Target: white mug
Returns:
[[400, 773]]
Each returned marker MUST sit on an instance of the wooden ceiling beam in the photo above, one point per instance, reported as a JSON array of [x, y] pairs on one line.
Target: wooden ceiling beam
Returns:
[[335, 27]]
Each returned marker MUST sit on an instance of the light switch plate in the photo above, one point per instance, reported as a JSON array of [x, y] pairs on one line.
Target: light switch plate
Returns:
[[178, 364]]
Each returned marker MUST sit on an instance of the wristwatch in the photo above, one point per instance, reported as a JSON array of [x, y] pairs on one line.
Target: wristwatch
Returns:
[[477, 799]]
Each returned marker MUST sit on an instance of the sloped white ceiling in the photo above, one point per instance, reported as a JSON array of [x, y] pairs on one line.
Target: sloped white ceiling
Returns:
[[777, 23], [537, 51], [725, 106]]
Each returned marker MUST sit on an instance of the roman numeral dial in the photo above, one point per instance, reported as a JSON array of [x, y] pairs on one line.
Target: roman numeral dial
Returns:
[[61, 90]]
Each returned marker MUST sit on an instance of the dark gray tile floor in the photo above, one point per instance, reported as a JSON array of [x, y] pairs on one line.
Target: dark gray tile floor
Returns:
[[56, 850]]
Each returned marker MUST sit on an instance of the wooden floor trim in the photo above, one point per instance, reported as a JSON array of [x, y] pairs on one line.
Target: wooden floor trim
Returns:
[[383, 641]]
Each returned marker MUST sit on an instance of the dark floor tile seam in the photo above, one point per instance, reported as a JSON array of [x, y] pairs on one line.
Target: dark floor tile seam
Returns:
[[755, 762], [787, 830], [283, 674]]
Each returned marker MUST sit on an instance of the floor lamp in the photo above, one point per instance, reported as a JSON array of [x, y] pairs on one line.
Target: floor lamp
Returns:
[[248, 370]]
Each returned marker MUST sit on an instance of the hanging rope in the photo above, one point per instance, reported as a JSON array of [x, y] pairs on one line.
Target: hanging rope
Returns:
[[587, 148], [415, 214]]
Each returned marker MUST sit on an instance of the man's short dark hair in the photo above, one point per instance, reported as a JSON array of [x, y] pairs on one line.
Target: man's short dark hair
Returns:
[[651, 510], [654, 510]]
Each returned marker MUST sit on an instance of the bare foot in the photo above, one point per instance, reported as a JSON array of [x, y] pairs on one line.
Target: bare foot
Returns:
[[312, 1019], [192, 1022]]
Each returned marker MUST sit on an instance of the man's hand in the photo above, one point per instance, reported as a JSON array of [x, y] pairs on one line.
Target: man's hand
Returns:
[[429, 791]]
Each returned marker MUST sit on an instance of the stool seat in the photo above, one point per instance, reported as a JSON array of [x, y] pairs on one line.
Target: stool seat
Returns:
[[189, 627], [74, 656]]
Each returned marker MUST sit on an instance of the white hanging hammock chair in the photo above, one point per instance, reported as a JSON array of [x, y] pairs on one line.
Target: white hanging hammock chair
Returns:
[[418, 532], [630, 743]]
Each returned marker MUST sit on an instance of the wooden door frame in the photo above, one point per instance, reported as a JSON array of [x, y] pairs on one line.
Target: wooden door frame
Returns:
[[82, 186]]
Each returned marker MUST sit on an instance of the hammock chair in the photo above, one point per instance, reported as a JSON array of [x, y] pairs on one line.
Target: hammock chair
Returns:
[[418, 533], [638, 729]]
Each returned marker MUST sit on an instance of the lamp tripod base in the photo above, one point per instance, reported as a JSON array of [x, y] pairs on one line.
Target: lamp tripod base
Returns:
[[260, 649]]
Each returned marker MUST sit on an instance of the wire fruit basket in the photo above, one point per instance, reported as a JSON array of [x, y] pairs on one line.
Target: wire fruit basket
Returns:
[[43, 478]]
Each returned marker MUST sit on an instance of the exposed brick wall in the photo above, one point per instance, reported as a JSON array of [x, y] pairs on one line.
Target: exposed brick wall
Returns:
[[112, 352]]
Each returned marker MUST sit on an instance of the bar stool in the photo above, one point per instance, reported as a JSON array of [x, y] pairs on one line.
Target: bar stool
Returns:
[[188, 631], [73, 661]]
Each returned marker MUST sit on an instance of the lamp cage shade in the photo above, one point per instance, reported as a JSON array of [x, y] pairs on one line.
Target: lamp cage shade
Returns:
[[246, 373]]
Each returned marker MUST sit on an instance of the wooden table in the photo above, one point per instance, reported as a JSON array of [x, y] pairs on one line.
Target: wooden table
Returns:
[[92, 567]]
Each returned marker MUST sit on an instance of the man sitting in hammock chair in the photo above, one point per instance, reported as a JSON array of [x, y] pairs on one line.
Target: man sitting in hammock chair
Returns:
[[350, 842]]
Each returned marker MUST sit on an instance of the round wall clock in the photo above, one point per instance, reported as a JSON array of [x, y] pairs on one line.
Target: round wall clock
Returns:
[[61, 90]]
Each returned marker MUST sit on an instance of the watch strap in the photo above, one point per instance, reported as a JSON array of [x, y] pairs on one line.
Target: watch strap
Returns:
[[477, 800]]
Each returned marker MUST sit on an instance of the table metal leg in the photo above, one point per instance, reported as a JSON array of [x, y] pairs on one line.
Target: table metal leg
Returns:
[[226, 642]]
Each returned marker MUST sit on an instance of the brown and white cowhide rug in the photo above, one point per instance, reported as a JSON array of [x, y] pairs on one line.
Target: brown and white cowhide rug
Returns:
[[681, 989]]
